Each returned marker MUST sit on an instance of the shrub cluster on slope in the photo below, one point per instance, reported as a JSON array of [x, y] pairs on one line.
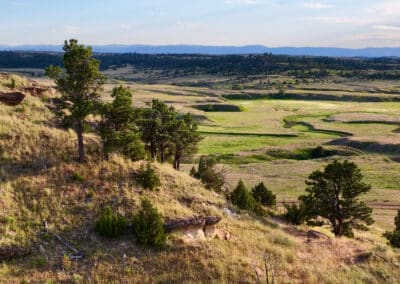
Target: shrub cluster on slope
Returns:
[[252, 200], [394, 237]]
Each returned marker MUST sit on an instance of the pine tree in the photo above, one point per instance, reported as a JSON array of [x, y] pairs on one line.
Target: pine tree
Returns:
[[333, 194], [117, 129], [185, 138], [157, 127], [79, 85]]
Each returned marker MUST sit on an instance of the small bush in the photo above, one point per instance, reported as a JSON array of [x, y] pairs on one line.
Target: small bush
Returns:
[[12, 84], [242, 198], [77, 177], [394, 237], [259, 210], [39, 262], [263, 195], [110, 225], [397, 221], [66, 263], [206, 172], [148, 225], [295, 214], [147, 177]]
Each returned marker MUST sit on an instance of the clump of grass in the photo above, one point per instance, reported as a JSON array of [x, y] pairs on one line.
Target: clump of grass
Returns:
[[78, 177], [282, 241]]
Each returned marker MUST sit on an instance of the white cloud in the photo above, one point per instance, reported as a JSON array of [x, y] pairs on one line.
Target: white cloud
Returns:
[[316, 5], [386, 28], [388, 8], [395, 38], [346, 20], [242, 2]]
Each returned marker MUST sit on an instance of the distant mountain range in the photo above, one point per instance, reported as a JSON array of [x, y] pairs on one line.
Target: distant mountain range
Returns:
[[221, 50]]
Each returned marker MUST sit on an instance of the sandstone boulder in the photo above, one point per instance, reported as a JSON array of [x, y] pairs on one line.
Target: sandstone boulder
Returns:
[[197, 228], [210, 231]]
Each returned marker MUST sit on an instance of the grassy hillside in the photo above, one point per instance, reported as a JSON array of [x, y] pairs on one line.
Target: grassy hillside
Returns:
[[40, 180]]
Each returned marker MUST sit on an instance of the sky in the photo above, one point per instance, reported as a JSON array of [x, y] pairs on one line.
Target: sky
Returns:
[[273, 23]]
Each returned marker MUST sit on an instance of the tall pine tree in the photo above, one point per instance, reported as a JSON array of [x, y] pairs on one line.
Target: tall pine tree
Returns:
[[79, 83]]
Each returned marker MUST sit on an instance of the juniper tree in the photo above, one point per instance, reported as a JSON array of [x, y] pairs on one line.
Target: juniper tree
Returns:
[[157, 128], [117, 128], [242, 198], [185, 138], [148, 225], [263, 195], [79, 83], [209, 176], [333, 194]]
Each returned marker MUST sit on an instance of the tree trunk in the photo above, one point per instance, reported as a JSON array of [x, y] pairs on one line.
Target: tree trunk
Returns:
[[162, 154], [153, 151], [79, 133], [177, 162], [340, 228], [337, 227]]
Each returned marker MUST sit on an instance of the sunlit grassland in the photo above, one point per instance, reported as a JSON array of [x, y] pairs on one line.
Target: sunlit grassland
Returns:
[[267, 116], [226, 144]]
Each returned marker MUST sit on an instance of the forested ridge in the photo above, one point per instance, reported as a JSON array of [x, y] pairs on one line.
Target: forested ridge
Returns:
[[299, 66]]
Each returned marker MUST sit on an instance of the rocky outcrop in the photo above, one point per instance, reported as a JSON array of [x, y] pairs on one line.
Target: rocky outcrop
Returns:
[[315, 235], [12, 98], [197, 228], [196, 221], [38, 91], [4, 75]]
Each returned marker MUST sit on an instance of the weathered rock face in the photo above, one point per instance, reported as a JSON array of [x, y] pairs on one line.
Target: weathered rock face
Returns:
[[197, 221], [12, 98], [198, 228], [195, 233], [37, 90], [210, 231]]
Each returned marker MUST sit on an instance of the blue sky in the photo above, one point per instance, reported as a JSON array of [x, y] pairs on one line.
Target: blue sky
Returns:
[[339, 23]]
